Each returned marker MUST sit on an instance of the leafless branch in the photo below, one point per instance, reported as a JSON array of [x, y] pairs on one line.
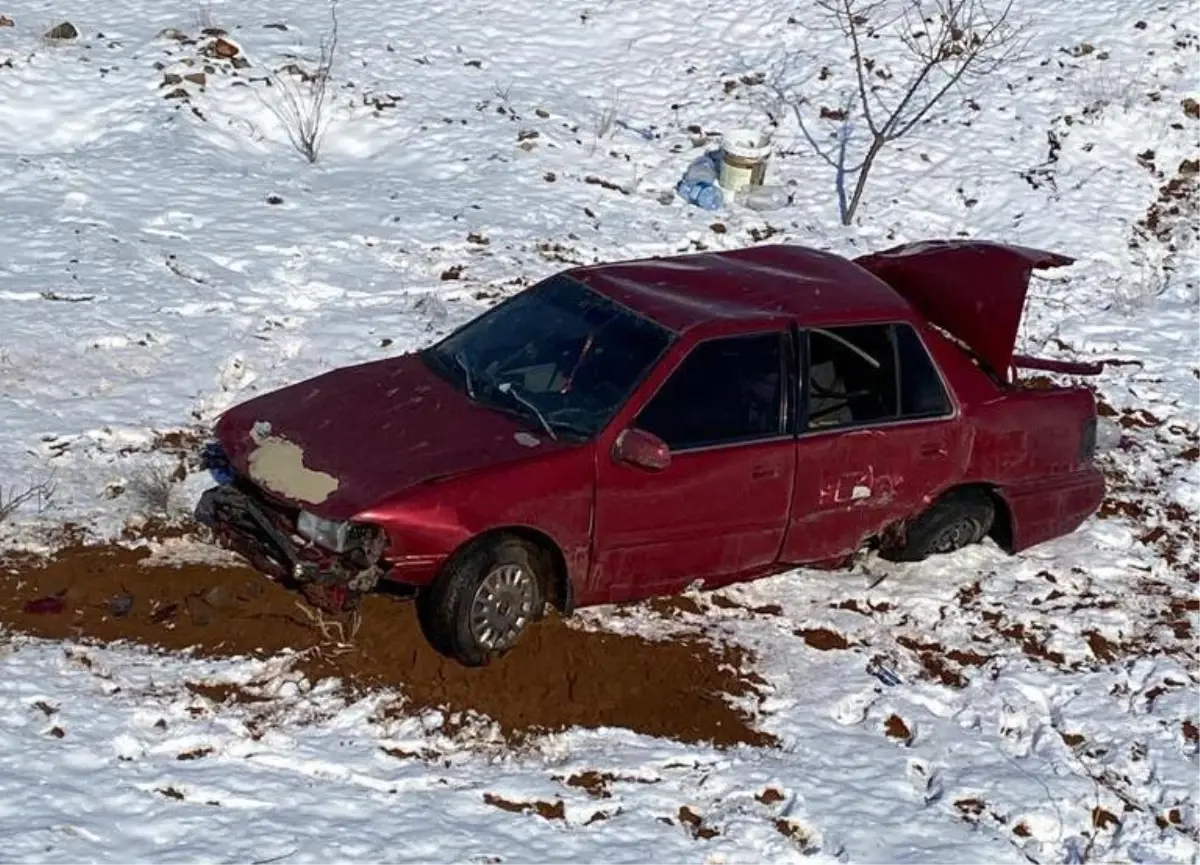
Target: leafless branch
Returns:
[[945, 42], [12, 499], [301, 97], [153, 489], [338, 633]]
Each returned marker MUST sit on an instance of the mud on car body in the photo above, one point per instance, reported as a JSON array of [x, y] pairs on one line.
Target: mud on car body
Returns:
[[625, 430]]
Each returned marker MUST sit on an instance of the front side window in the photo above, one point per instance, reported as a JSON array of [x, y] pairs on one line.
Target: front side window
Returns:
[[558, 353], [870, 374], [725, 391]]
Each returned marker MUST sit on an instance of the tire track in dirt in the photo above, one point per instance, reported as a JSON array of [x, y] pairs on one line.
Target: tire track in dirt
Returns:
[[558, 677]]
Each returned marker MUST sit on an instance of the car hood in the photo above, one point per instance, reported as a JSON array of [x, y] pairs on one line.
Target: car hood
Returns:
[[974, 290], [340, 443]]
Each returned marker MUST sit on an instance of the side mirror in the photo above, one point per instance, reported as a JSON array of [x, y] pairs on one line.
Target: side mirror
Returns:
[[636, 447]]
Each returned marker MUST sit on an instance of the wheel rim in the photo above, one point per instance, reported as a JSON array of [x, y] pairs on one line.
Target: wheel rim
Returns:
[[502, 606], [953, 537]]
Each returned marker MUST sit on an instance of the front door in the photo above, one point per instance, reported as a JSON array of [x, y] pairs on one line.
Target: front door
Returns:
[[720, 509]]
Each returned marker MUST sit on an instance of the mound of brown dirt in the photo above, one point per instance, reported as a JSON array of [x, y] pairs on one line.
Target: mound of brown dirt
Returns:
[[558, 677]]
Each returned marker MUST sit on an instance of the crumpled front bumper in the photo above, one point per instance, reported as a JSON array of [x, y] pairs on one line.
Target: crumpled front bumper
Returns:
[[264, 532]]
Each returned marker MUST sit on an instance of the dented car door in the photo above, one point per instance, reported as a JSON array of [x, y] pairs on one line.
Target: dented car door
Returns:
[[879, 435]]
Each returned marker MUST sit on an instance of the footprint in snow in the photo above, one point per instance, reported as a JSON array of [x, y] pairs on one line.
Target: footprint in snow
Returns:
[[853, 709], [1015, 731]]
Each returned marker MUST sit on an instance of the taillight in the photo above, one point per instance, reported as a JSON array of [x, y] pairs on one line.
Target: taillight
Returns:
[[1087, 440]]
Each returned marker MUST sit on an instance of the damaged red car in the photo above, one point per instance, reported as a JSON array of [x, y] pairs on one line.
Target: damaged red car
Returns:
[[629, 429]]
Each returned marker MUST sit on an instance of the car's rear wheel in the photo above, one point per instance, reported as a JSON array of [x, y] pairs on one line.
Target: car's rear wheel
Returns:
[[484, 599], [957, 519]]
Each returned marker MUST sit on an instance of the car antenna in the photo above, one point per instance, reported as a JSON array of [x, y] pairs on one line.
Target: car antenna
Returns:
[[507, 387], [461, 360]]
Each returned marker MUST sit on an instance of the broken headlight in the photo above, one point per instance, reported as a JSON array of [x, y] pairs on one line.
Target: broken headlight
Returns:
[[335, 536]]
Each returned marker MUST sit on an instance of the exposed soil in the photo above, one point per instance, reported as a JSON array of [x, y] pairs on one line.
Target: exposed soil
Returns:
[[558, 677]]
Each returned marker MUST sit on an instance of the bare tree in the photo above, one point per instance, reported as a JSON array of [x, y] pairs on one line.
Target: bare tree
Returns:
[[39, 494], [301, 97], [943, 45]]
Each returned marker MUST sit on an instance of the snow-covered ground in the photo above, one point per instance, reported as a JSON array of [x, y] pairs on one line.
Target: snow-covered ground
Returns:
[[164, 258]]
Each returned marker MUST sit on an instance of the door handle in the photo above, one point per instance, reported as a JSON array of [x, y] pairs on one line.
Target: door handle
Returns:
[[759, 473]]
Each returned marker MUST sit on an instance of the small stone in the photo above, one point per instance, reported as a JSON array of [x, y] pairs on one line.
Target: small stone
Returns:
[[1191, 108], [172, 33], [5, 21], [120, 605], [65, 30], [218, 596], [224, 49], [276, 26], [240, 63], [274, 199], [213, 31], [170, 79], [177, 93], [196, 78]]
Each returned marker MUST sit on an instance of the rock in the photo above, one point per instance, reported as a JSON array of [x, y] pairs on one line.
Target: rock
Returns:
[[177, 93], [172, 33], [275, 27], [170, 79], [218, 597], [196, 78], [5, 21], [120, 605], [274, 199], [213, 31], [1191, 108], [240, 63], [65, 30], [224, 49]]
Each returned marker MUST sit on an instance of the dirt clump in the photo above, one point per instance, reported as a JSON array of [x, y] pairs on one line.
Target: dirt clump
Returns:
[[824, 639], [895, 728], [546, 810], [557, 677]]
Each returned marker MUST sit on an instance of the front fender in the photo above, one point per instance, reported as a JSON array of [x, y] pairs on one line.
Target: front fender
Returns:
[[550, 497]]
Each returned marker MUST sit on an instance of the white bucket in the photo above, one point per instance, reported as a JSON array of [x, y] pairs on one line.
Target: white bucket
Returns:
[[744, 155]]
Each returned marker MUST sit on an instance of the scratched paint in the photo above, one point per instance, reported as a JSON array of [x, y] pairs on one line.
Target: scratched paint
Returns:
[[278, 465]]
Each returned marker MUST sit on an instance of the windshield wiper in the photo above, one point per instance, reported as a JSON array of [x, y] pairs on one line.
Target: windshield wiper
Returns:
[[506, 387], [461, 360]]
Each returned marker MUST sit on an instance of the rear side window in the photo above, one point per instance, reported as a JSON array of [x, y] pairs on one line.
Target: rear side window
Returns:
[[725, 391], [870, 374], [922, 393]]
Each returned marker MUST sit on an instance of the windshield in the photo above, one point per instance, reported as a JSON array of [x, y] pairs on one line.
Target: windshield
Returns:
[[558, 353]]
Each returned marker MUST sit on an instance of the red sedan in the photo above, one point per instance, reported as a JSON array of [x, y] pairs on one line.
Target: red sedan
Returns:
[[628, 429]]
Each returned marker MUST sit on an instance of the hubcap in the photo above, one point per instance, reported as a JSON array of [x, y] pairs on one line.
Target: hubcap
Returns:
[[502, 606], [953, 537]]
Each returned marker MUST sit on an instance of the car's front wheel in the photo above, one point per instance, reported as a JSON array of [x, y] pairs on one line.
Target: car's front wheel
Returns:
[[484, 599]]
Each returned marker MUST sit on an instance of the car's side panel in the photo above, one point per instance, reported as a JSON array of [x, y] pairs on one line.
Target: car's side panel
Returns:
[[1027, 446], [711, 515], [853, 484], [718, 514], [826, 501], [550, 495]]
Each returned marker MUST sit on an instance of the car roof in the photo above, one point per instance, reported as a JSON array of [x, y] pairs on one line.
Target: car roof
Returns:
[[772, 281]]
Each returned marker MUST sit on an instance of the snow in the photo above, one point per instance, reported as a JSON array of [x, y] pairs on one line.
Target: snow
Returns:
[[148, 283]]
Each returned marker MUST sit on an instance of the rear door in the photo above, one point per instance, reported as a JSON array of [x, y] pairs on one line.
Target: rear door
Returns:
[[879, 436], [720, 509]]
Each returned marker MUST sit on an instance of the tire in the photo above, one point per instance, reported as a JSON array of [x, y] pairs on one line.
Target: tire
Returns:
[[956, 520], [484, 600]]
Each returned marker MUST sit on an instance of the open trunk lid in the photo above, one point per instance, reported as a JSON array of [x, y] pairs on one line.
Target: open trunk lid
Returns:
[[974, 290]]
